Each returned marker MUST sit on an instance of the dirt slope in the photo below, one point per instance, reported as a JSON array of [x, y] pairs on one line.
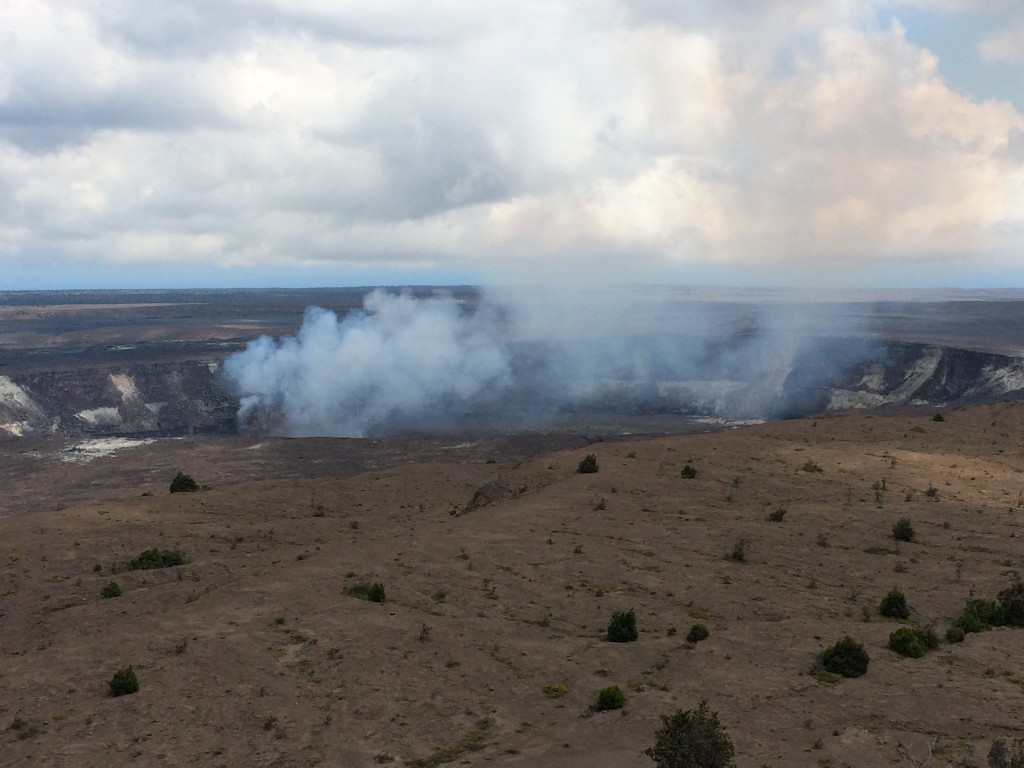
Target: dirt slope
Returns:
[[500, 580]]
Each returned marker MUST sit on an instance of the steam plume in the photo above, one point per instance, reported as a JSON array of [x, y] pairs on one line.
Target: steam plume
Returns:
[[400, 360]]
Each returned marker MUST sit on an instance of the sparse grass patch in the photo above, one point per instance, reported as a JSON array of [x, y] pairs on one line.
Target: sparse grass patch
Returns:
[[738, 554], [999, 756], [472, 741], [556, 690]]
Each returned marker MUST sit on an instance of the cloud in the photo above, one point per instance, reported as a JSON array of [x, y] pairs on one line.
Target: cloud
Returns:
[[777, 137]]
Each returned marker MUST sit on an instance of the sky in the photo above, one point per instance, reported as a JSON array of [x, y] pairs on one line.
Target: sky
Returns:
[[248, 143]]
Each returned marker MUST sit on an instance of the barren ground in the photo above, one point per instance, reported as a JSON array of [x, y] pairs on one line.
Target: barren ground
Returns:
[[253, 654]]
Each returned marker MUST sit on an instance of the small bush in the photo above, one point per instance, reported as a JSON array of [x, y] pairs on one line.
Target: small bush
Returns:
[[739, 551], [155, 558], [846, 657], [610, 698], [1011, 601], [124, 682], [938, 417], [622, 627], [364, 590], [556, 690], [692, 739], [113, 589], [980, 614], [777, 514], [999, 756], [183, 483], [903, 530], [894, 605], [906, 643], [955, 634], [811, 466], [588, 465], [928, 637], [697, 633], [688, 472]]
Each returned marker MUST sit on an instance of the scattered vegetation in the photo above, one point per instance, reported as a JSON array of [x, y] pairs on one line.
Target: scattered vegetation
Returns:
[[688, 472], [903, 530], [365, 590], [894, 605], [811, 466], [979, 614], [183, 483], [846, 657], [588, 465], [999, 756], [777, 514], [1011, 600], [124, 682], [739, 551], [622, 627], [906, 642], [609, 698], [692, 739], [697, 633], [556, 690], [156, 558], [113, 589], [472, 741]]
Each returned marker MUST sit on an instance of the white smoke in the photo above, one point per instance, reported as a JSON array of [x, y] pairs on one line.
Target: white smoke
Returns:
[[400, 360], [515, 358]]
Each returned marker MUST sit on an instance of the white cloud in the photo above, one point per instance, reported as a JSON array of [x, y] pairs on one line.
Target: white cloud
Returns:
[[764, 135]]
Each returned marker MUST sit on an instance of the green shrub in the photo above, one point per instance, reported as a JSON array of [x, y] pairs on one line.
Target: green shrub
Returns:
[[955, 634], [183, 483], [124, 682], [903, 530], [364, 590], [999, 756], [692, 739], [697, 633], [980, 614], [610, 698], [688, 472], [928, 637], [622, 627], [846, 657], [906, 643], [894, 605], [1011, 601], [938, 417], [588, 465], [113, 589], [155, 558]]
